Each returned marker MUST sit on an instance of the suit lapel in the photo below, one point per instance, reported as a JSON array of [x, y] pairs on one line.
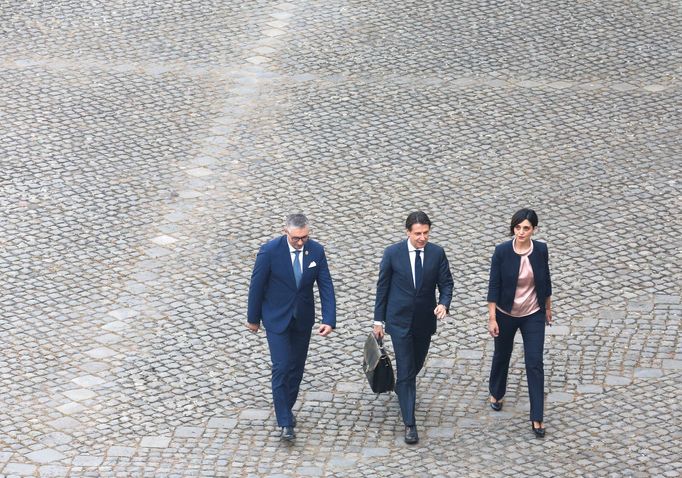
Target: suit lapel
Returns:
[[405, 253], [288, 264], [305, 258], [428, 259]]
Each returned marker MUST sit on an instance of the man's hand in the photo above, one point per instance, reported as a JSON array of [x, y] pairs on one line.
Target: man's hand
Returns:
[[253, 327], [440, 311], [378, 332], [324, 330], [548, 317]]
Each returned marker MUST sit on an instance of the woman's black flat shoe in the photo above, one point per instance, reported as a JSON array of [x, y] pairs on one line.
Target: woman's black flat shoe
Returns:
[[539, 432], [497, 406]]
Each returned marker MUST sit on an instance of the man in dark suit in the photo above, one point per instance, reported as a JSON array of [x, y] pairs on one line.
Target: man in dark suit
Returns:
[[409, 274], [281, 296]]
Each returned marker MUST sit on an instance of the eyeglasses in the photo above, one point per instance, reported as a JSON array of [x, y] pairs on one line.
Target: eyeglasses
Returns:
[[298, 239]]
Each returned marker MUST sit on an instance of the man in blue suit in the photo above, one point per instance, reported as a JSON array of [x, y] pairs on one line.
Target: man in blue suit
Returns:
[[281, 296], [409, 274]]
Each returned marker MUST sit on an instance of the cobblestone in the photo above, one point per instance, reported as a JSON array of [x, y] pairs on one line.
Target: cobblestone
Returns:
[[148, 149]]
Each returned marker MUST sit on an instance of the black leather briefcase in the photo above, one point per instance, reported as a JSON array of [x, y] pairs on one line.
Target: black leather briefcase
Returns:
[[377, 366]]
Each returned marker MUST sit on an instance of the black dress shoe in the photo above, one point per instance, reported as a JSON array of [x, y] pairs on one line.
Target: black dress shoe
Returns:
[[411, 435], [539, 432], [497, 406], [288, 433]]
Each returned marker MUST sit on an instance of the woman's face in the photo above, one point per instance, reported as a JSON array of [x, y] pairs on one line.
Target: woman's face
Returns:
[[523, 232]]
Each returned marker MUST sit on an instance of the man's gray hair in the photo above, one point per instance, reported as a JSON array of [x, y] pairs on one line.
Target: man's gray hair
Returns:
[[297, 221]]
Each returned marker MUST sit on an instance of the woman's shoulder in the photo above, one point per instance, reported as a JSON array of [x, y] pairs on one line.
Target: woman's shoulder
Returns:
[[504, 246], [539, 245]]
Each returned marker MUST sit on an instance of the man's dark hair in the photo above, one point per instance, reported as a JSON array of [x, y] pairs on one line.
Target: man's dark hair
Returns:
[[296, 221], [520, 216], [417, 217]]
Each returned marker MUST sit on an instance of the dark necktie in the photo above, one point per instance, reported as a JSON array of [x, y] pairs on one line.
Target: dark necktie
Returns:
[[418, 272], [297, 269]]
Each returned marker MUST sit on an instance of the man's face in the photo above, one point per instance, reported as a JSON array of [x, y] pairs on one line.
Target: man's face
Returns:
[[418, 235], [297, 237]]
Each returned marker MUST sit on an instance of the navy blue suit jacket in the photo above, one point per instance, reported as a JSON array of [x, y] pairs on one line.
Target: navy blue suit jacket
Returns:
[[398, 303], [273, 295], [504, 274]]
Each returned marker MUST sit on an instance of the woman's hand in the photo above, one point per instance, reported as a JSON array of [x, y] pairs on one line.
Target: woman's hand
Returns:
[[493, 328], [548, 316]]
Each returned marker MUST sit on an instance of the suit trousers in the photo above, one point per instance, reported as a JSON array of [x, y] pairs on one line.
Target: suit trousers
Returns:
[[533, 332], [410, 353], [288, 353]]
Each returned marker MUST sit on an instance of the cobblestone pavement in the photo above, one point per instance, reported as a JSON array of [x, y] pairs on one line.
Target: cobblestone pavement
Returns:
[[148, 148]]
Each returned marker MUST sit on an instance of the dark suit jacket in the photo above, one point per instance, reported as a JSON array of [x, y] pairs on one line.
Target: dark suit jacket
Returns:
[[398, 304], [273, 296], [504, 274]]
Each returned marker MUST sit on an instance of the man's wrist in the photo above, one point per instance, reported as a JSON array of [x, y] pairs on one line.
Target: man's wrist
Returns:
[[378, 322]]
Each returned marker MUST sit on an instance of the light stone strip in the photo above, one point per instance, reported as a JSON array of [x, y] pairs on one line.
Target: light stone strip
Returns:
[[197, 180], [267, 47]]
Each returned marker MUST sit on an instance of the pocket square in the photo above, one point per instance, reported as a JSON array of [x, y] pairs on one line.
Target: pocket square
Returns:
[[312, 264]]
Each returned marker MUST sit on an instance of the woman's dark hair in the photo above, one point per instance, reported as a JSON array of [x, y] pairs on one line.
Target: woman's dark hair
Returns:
[[417, 217], [520, 216]]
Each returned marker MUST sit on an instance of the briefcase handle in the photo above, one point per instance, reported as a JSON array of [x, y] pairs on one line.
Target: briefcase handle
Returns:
[[380, 342]]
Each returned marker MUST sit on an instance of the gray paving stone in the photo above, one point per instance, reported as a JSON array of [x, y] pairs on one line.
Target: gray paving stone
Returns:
[[71, 408], [648, 372], [189, 432], [88, 381], [590, 388], [558, 330], [441, 432], [373, 452], [46, 455], [319, 396], [218, 422], [469, 354], [65, 423], [617, 380], [80, 394], [672, 364], [116, 326], [559, 397], [122, 451], [123, 314], [341, 462], [100, 352], [255, 414], [87, 461], [53, 471], [309, 471], [18, 469], [155, 442]]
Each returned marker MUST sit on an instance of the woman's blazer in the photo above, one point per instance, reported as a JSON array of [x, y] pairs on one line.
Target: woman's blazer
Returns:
[[504, 274]]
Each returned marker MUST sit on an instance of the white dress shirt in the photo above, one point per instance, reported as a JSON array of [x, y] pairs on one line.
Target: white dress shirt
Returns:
[[413, 257], [293, 256]]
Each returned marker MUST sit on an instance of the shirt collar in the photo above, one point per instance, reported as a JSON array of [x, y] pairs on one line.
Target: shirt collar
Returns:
[[292, 249], [527, 253], [411, 248]]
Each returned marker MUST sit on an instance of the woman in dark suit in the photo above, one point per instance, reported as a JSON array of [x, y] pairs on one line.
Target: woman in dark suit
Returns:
[[520, 297]]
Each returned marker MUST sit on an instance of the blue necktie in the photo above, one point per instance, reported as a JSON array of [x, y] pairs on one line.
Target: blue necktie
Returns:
[[297, 269], [418, 272]]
